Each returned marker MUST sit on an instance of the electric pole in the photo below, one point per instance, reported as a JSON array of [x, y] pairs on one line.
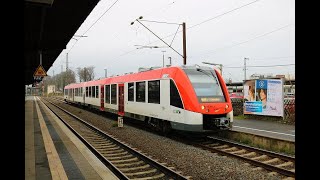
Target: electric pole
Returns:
[[245, 68], [184, 44], [105, 72], [61, 78], [169, 60], [67, 63]]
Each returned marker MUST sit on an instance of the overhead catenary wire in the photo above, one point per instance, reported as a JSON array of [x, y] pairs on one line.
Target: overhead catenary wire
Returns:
[[232, 10], [95, 23], [260, 66], [256, 37]]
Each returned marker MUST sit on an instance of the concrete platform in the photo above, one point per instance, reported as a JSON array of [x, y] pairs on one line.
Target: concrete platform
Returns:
[[53, 152], [265, 128]]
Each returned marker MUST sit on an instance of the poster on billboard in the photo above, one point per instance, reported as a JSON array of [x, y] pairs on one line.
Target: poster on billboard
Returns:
[[263, 97]]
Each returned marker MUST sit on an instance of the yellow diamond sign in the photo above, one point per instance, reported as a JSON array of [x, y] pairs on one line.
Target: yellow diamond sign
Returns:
[[40, 71]]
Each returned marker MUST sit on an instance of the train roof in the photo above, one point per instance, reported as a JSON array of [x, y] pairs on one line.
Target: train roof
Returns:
[[138, 76]]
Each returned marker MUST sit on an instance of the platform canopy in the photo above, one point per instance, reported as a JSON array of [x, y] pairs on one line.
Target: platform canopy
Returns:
[[48, 27]]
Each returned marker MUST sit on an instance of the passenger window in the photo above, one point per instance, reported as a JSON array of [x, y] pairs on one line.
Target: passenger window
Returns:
[[141, 91], [107, 94], [154, 92], [113, 94], [130, 91]]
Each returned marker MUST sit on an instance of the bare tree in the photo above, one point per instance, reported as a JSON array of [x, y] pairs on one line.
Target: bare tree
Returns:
[[86, 73]]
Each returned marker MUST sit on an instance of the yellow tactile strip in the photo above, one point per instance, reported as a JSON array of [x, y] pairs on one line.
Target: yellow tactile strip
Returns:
[[56, 168], [95, 163]]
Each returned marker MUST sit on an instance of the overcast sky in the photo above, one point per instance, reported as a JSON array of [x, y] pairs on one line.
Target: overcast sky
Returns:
[[218, 31]]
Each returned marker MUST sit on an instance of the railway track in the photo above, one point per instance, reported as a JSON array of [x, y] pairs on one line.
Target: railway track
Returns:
[[124, 161], [274, 162]]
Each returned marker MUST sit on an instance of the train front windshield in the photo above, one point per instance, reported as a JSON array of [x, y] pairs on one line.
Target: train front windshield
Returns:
[[206, 85]]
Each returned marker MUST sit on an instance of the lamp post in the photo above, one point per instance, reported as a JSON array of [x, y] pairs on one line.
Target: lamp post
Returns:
[[220, 66], [163, 58], [105, 72]]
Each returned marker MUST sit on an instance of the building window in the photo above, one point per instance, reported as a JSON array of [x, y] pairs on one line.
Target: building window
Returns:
[[87, 91], [140, 91], [93, 91], [113, 94], [107, 94], [130, 91], [175, 99], [154, 92]]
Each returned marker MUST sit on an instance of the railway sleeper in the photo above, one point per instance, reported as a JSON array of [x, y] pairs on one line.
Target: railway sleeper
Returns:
[[134, 168], [153, 177], [239, 151], [120, 157], [231, 149], [112, 149], [103, 146], [124, 160], [130, 164], [141, 173], [213, 144], [259, 157], [116, 154], [249, 154], [221, 147], [107, 152], [271, 160], [288, 163]]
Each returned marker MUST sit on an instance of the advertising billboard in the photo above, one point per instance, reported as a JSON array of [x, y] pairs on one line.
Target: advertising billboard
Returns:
[[263, 97]]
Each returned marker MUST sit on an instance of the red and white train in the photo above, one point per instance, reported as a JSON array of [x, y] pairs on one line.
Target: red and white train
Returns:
[[186, 98]]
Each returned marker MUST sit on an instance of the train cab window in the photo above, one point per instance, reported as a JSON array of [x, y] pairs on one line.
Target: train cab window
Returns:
[[206, 85], [175, 99], [113, 94], [107, 94], [97, 91], [130, 91], [141, 91], [87, 91], [154, 92]]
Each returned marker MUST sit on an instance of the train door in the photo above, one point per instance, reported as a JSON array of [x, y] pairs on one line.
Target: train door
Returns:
[[102, 97], [121, 99], [83, 94], [72, 94]]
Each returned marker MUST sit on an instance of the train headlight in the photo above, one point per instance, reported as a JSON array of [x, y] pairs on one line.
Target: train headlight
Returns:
[[202, 107], [227, 106]]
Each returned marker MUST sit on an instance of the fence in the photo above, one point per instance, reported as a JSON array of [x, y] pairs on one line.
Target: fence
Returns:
[[289, 109]]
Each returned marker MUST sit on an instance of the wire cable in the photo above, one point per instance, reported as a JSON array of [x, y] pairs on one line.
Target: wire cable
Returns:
[[95, 22], [261, 66]]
